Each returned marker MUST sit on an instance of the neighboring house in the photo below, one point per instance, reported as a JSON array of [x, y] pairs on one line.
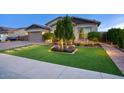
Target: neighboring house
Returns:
[[3, 37], [3, 33], [32, 33], [78, 23], [17, 32], [36, 31], [11, 33]]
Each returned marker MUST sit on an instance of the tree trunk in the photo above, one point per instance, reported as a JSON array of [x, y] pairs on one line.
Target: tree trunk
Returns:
[[61, 44], [65, 44]]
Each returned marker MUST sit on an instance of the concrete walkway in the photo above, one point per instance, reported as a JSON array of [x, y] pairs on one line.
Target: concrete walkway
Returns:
[[13, 44], [116, 55], [12, 67]]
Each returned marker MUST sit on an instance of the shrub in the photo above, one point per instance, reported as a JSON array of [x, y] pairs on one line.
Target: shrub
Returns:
[[116, 36], [69, 49], [120, 39], [48, 36], [113, 35], [94, 36]]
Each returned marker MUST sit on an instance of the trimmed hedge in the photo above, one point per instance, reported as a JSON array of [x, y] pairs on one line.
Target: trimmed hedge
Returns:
[[116, 36], [94, 36]]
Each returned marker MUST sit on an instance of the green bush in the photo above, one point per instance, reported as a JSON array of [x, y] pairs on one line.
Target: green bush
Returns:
[[116, 36], [113, 35], [120, 41], [48, 36], [94, 36]]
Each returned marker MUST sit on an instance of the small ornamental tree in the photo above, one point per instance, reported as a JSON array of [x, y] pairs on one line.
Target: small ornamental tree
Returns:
[[59, 33], [68, 29], [64, 31]]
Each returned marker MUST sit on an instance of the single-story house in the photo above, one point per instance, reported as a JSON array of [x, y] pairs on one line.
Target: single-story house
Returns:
[[3, 36], [87, 25], [12, 33], [36, 31], [17, 32], [3, 33]]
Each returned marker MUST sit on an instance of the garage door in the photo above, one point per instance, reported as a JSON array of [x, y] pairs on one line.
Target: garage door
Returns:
[[35, 37]]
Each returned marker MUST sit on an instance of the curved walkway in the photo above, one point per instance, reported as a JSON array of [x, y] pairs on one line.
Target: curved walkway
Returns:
[[116, 55], [13, 67]]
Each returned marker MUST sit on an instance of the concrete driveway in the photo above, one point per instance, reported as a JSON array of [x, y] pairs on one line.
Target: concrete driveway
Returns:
[[9, 45], [13, 67]]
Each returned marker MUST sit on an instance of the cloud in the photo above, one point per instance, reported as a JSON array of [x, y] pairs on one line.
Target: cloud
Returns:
[[121, 25]]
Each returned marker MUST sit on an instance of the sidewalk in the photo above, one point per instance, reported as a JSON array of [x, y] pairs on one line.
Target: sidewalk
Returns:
[[13, 44], [13, 67], [116, 55]]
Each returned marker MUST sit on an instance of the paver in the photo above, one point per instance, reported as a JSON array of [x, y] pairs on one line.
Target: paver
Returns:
[[13, 67], [116, 55]]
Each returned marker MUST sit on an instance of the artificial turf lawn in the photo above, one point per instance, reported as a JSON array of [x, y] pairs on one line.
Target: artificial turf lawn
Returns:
[[85, 58]]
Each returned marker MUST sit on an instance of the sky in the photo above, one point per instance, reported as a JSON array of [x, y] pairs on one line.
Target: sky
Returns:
[[23, 20]]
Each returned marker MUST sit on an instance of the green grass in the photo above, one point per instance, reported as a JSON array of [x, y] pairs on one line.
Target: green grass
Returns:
[[94, 59]]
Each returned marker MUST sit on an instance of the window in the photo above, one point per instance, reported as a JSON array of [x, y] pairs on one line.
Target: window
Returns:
[[85, 30]]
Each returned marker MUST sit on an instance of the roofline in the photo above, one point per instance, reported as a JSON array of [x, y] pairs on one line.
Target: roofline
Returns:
[[53, 20], [41, 26], [94, 21], [91, 20]]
